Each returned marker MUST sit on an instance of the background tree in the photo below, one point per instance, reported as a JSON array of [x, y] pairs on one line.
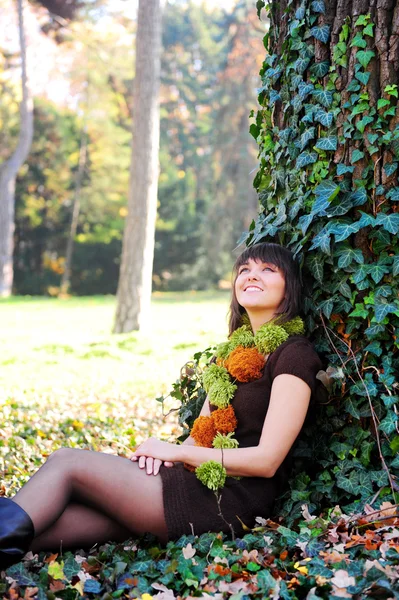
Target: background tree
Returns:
[[10, 167], [135, 279], [328, 139]]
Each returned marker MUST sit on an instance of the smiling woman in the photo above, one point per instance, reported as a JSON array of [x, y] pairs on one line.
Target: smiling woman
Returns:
[[260, 386]]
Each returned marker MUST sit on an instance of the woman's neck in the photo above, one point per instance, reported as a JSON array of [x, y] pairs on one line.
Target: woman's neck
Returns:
[[258, 319]]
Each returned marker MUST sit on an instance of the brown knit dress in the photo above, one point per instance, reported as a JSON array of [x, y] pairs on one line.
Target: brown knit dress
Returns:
[[189, 505]]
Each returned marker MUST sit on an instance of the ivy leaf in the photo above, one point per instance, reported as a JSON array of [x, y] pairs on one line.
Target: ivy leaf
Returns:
[[321, 33], [390, 168], [374, 347], [395, 265], [372, 137], [382, 102], [320, 69], [364, 57], [327, 190], [315, 265], [325, 97], [326, 307], [327, 143], [390, 222], [393, 194], [368, 30], [304, 222], [363, 77], [300, 13], [344, 230], [377, 271], [307, 135], [360, 274], [304, 89], [301, 64], [374, 330], [323, 117], [360, 311], [388, 425], [356, 155], [306, 158], [362, 124], [322, 241], [358, 41], [318, 6], [383, 309], [342, 169]]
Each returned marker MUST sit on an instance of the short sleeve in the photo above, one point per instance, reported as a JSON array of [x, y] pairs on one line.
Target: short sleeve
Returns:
[[300, 359]]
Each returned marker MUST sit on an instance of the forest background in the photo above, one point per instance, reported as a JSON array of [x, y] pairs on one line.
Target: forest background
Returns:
[[82, 80]]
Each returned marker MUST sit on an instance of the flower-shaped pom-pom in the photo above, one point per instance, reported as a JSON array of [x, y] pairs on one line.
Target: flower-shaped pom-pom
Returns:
[[269, 337], [203, 431], [225, 441], [221, 393], [245, 364], [242, 336], [223, 350], [212, 474], [224, 419], [294, 327], [213, 374]]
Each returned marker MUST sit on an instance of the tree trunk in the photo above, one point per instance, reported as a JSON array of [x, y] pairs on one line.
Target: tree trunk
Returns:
[[10, 168], [328, 182], [135, 279], [66, 276]]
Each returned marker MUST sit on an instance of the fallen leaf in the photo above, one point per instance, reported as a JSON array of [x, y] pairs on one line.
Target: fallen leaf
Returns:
[[189, 551]]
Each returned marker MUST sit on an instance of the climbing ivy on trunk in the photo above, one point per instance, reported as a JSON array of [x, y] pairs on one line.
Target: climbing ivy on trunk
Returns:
[[328, 135]]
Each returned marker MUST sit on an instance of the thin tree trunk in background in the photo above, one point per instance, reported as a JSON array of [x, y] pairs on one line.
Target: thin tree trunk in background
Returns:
[[66, 276], [135, 278], [10, 168]]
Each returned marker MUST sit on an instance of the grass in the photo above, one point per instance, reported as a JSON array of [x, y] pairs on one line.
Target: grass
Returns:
[[65, 379]]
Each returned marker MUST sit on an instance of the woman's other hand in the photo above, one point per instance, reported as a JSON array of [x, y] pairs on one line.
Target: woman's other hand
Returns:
[[153, 448]]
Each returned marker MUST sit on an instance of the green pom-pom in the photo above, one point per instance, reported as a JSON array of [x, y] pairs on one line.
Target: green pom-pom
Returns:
[[212, 474], [294, 327], [221, 393], [269, 337], [242, 336], [214, 374], [223, 350], [224, 441]]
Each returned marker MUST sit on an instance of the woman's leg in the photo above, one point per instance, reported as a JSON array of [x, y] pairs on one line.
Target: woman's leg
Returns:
[[79, 527], [112, 485]]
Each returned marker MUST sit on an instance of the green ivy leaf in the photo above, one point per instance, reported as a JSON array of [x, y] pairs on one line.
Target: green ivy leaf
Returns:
[[343, 230], [307, 135], [395, 265], [388, 424], [315, 265], [368, 30], [374, 347], [377, 271], [390, 222], [363, 77], [360, 311], [390, 168], [356, 155], [342, 169], [322, 241], [372, 137], [393, 194], [321, 33], [327, 190], [374, 330], [364, 57], [325, 97], [323, 117], [301, 64], [320, 69], [383, 309], [382, 102], [327, 143], [358, 41], [318, 6], [362, 124], [306, 158]]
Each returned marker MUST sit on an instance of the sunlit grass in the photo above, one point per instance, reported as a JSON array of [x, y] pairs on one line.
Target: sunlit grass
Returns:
[[65, 379]]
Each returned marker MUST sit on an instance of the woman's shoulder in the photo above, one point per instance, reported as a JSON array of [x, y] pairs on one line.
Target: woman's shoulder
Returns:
[[296, 356]]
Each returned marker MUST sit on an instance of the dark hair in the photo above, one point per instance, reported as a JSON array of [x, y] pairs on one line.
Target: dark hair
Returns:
[[283, 258]]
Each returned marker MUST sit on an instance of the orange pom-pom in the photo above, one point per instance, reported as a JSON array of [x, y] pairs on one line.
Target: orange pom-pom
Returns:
[[189, 467], [245, 364], [203, 431], [224, 419]]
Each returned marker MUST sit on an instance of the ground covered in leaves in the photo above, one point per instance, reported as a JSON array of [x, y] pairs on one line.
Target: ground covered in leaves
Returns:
[[65, 381]]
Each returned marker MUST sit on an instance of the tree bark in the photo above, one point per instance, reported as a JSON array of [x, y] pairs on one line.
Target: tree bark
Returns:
[[10, 168], [66, 276], [135, 279]]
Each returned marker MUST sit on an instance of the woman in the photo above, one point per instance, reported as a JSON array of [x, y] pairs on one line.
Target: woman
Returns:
[[79, 498]]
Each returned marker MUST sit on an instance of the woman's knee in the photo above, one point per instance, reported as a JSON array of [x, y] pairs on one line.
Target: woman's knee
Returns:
[[63, 455]]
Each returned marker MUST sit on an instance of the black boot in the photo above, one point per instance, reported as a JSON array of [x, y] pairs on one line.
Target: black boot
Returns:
[[16, 533]]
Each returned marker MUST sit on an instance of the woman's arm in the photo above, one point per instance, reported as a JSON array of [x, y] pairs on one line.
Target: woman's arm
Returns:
[[205, 412], [289, 401]]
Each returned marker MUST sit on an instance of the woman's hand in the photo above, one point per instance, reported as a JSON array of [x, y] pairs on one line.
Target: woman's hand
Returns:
[[151, 465], [152, 453]]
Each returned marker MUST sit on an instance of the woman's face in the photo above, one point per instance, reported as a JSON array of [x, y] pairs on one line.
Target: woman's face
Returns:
[[260, 286]]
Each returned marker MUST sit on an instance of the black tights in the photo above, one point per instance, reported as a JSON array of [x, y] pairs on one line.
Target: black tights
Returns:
[[79, 498]]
